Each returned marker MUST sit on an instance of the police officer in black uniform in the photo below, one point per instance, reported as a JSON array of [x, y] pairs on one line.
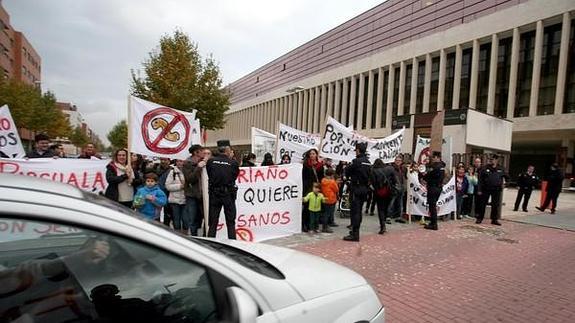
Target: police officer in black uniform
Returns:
[[434, 175], [526, 182], [358, 174], [490, 184], [222, 173]]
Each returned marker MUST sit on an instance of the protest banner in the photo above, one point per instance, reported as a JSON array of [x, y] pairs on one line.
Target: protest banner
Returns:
[[155, 130], [262, 142], [295, 143], [268, 203], [422, 154], [10, 143], [339, 142], [417, 197], [86, 174]]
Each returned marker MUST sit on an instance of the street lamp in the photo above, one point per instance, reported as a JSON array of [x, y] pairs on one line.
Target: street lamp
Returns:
[[295, 89]]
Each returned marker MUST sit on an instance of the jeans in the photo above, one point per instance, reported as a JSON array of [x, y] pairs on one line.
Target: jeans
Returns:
[[383, 204], [458, 203], [177, 215], [314, 220], [189, 216], [396, 209], [328, 212]]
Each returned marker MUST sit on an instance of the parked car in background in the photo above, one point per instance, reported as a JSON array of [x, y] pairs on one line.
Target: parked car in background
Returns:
[[68, 255]]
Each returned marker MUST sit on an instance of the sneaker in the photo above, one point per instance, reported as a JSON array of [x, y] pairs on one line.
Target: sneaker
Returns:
[[431, 227], [525, 210], [327, 230], [315, 231], [515, 210], [495, 222], [552, 211], [478, 221], [540, 209], [381, 231], [400, 220], [351, 238]]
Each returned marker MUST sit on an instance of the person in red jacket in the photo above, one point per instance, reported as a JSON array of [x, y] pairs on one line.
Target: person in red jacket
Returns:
[[330, 190]]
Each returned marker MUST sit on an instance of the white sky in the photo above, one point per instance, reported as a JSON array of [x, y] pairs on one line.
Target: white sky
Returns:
[[88, 47]]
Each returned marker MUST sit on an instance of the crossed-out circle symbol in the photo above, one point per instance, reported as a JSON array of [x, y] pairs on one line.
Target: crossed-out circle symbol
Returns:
[[157, 144]]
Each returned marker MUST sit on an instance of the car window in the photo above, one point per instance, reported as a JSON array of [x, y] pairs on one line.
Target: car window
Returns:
[[55, 273]]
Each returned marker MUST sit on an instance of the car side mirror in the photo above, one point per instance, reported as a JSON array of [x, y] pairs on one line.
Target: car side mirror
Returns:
[[243, 308]]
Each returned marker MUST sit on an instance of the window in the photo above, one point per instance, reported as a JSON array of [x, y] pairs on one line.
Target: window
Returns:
[[449, 77], [384, 99], [549, 69], [524, 74], [465, 78], [73, 274], [569, 103], [407, 93], [374, 100], [483, 76], [364, 103], [420, 86], [503, 71], [434, 84], [396, 91]]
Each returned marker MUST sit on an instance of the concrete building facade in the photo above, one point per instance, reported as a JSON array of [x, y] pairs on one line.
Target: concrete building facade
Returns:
[[402, 61]]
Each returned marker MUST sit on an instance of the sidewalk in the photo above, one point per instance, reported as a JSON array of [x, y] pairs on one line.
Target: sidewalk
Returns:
[[564, 218]]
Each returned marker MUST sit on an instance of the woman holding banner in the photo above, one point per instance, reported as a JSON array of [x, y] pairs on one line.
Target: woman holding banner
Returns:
[[120, 176], [312, 172]]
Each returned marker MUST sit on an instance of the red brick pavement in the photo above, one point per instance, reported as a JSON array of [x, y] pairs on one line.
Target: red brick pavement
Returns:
[[466, 272]]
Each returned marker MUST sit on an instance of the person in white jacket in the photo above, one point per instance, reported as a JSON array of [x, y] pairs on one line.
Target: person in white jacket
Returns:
[[175, 183]]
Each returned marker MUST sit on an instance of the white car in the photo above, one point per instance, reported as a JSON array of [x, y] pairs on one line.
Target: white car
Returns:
[[67, 255]]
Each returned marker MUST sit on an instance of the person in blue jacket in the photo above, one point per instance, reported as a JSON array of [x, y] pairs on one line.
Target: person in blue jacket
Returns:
[[150, 198]]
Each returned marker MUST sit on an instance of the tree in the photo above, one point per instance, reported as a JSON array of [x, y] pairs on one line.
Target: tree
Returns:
[[78, 137], [118, 136], [177, 77], [33, 110]]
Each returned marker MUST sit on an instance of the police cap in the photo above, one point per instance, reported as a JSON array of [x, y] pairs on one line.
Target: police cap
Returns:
[[224, 143]]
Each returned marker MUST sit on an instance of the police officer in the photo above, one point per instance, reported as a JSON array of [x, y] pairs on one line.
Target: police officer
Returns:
[[222, 173], [358, 174], [433, 176], [526, 182], [490, 184]]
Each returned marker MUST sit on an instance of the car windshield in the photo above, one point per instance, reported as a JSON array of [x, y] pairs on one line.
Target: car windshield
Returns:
[[241, 257]]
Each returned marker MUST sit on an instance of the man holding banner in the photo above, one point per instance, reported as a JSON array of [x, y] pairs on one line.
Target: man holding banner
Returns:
[[358, 174], [434, 179]]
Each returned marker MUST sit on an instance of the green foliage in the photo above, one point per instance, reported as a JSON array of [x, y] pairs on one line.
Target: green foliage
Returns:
[[78, 137], [118, 136], [176, 76], [33, 110]]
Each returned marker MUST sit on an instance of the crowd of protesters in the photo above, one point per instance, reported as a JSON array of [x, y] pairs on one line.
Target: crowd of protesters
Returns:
[[173, 187]]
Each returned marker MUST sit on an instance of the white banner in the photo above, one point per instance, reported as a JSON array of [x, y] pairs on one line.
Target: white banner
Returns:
[[295, 143], [160, 131], [417, 197], [10, 143], [268, 203], [86, 174], [263, 142], [422, 154], [339, 143]]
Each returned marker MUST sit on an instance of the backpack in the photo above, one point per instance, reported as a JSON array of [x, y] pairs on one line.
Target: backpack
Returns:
[[381, 184]]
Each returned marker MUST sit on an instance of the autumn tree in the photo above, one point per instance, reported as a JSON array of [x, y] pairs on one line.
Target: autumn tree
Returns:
[[175, 75], [118, 136], [33, 110], [78, 137]]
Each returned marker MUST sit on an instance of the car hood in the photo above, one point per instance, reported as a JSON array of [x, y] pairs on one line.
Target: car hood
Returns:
[[309, 275]]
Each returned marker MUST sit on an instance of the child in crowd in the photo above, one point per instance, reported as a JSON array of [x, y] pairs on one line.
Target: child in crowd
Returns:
[[330, 190], [315, 199], [461, 185], [467, 208], [150, 198]]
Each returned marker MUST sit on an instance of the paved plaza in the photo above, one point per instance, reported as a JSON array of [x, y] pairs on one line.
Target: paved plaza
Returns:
[[522, 271]]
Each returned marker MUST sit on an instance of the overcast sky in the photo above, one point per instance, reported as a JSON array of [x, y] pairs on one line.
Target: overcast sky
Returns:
[[88, 47]]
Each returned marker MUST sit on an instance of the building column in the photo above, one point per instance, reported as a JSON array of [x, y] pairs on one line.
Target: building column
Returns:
[[427, 83], [271, 107], [329, 107], [457, 77], [305, 117], [562, 68], [401, 94], [474, 75], [336, 104], [300, 109], [323, 107], [379, 99], [351, 114], [316, 110], [345, 102], [413, 94], [390, 92], [310, 110], [442, 76], [492, 74], [262, 115], [369, 113], [536, 79], [360, 102], [513, 73]]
